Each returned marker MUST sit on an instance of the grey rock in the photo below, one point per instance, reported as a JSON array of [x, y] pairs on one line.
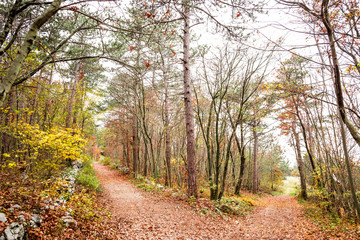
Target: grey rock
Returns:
[[77, 164], [2, 237], [60, 202], [15, 231], [13, 207], [21, 218], [3, 218], [51, 207], [69, 221], [36, 220], [174, 194]]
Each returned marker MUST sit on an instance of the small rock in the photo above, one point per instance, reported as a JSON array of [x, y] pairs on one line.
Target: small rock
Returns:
[[77, 164], [21, 218], [13, 207], [36, 220], [15, 231], [160, 186], [69, 221], [174, 194], [60, 202], [3, 218]]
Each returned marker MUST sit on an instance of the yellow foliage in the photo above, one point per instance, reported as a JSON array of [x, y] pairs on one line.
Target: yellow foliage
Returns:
[[43, 151]]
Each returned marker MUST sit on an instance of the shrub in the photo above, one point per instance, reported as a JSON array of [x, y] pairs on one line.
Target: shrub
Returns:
[[41, 153], [87, 177]]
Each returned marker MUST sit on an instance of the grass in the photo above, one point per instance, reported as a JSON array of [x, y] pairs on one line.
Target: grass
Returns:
[[87, 177], [276, 193]]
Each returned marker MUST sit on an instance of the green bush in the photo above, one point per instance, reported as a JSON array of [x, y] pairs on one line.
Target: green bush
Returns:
[[87, 177], [112, 163], [106, 161]]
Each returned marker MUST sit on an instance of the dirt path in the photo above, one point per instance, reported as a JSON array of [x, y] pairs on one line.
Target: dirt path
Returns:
[[146, 217], [279, 217]]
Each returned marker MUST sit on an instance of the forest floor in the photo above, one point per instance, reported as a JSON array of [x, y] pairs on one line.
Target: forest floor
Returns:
[[142, 215]]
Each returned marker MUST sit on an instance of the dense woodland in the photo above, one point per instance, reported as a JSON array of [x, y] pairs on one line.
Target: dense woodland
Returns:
[[131, 80]]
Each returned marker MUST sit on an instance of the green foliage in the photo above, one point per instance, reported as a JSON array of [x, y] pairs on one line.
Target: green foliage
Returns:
[[106, 161], [276, 193], [87, 177], [192, 200], [146, 187], [112, 163]]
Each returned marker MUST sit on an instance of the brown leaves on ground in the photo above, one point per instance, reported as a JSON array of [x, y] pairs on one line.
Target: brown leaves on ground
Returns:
[[92, 221], [147, 216]]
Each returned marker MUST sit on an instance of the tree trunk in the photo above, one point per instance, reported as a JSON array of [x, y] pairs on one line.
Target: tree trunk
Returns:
[[70, 105], [167, 139], [340, 101], [189, 118], [135, 144], [300, 165], [255, 166], [146, 157], [241, 149], [12, 74], [227, 158]]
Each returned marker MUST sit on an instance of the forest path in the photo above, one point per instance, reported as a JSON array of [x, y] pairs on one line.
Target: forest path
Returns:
[[279, 217], [144, 216]]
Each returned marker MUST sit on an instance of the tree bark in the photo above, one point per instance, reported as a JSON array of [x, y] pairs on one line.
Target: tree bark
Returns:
[[255, 166], [167, 138], [241, 149], [70, 104], [135, 143], [189, 118], [227, 158], [300, 165]]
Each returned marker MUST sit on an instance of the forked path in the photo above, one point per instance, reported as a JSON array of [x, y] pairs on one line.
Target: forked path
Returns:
[[144, 216]]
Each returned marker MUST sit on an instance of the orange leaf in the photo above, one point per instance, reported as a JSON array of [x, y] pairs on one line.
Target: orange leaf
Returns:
[[174, 53], [238, 15], [131, 48], [147, 63], [167, 13]]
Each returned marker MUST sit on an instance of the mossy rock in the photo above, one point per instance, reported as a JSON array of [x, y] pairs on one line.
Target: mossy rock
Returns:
[[227, 209]]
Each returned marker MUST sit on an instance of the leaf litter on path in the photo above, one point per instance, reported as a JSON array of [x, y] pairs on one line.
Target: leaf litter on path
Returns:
[[146, 216]]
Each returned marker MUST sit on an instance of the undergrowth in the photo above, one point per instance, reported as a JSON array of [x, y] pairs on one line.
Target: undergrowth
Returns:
[[325, 217], [235, 205], [87, 176], [93, 221]]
